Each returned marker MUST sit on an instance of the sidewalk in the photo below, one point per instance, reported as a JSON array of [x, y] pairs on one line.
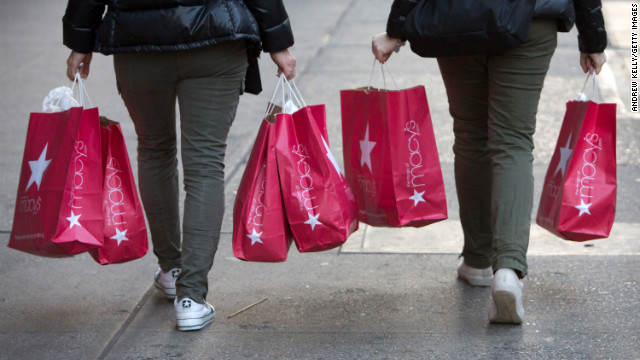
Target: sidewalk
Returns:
[[375, 297]]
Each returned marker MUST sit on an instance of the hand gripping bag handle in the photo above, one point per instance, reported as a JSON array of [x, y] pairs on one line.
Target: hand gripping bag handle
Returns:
[[594, 88], [384, 79], [290, 91]]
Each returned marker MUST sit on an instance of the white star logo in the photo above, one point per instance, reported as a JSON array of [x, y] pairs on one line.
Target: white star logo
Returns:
[[255, 237], [37, 168], [120, 236], [583, 207], [313, 221], [565, 155], [332, 158], [73, 219], [417, 197], [365, 147]]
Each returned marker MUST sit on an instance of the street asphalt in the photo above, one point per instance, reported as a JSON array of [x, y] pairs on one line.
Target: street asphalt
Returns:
[[385, 294]]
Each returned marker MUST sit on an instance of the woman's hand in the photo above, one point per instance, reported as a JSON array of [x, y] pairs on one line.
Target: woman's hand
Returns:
[[591, 62], [383, 46], [78, 62], [286, 63]]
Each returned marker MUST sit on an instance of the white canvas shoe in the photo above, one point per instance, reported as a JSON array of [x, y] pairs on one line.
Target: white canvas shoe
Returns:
[[475, 277], [166, 281], [506, 298], [192, 315]]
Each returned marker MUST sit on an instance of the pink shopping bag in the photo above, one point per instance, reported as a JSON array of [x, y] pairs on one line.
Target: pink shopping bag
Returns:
[[390, 157], [58, 204], [578, 200], [260, 229], [319, 204], [125, 230]]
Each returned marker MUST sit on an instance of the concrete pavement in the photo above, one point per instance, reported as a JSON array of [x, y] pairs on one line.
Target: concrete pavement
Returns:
[[376, 297]]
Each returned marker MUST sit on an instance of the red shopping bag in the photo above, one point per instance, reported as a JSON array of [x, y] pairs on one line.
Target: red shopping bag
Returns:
[[578, 198], [319, 204], [390, 157], [125, 230], [58, 205], [260, 229]]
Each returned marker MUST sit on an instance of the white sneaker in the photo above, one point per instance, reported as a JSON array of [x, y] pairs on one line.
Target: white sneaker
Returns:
[[475, 277], [506, 298], [192, 315], [166, 281]]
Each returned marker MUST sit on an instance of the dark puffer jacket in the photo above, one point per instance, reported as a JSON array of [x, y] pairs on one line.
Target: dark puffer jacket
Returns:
[[171, 25], [587, 15]]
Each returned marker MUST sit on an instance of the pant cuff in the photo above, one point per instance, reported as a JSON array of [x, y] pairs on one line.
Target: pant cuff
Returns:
[[181, 294], [510, 263], [477, 262], [169, 265]]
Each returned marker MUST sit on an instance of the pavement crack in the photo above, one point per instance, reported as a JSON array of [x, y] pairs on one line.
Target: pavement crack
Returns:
[[114, 340], [329, 36]]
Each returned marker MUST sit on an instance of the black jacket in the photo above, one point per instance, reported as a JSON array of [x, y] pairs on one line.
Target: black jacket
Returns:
[[587, 15], [170, 25]]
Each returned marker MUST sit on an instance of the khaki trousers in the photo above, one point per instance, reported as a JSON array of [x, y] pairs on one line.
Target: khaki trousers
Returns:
[[207, 83], [493, 101]]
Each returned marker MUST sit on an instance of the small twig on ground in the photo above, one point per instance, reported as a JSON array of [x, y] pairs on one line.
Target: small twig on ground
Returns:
[[247, 308]]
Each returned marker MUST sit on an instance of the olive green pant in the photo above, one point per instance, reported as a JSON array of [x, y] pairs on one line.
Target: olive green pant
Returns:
[[207, 83], [493, 101]]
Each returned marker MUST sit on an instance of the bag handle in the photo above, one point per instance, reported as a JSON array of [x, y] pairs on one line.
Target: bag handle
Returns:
[[82, 95], [296, 92], [272, 102], [594, 88], [384, 80], [289, 92]]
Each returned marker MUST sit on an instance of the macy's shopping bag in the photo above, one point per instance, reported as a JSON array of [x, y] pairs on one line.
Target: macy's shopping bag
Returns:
[[390, 157], [578, 198], [260, 229], [319, 204], [58, 205], [125, 230]]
